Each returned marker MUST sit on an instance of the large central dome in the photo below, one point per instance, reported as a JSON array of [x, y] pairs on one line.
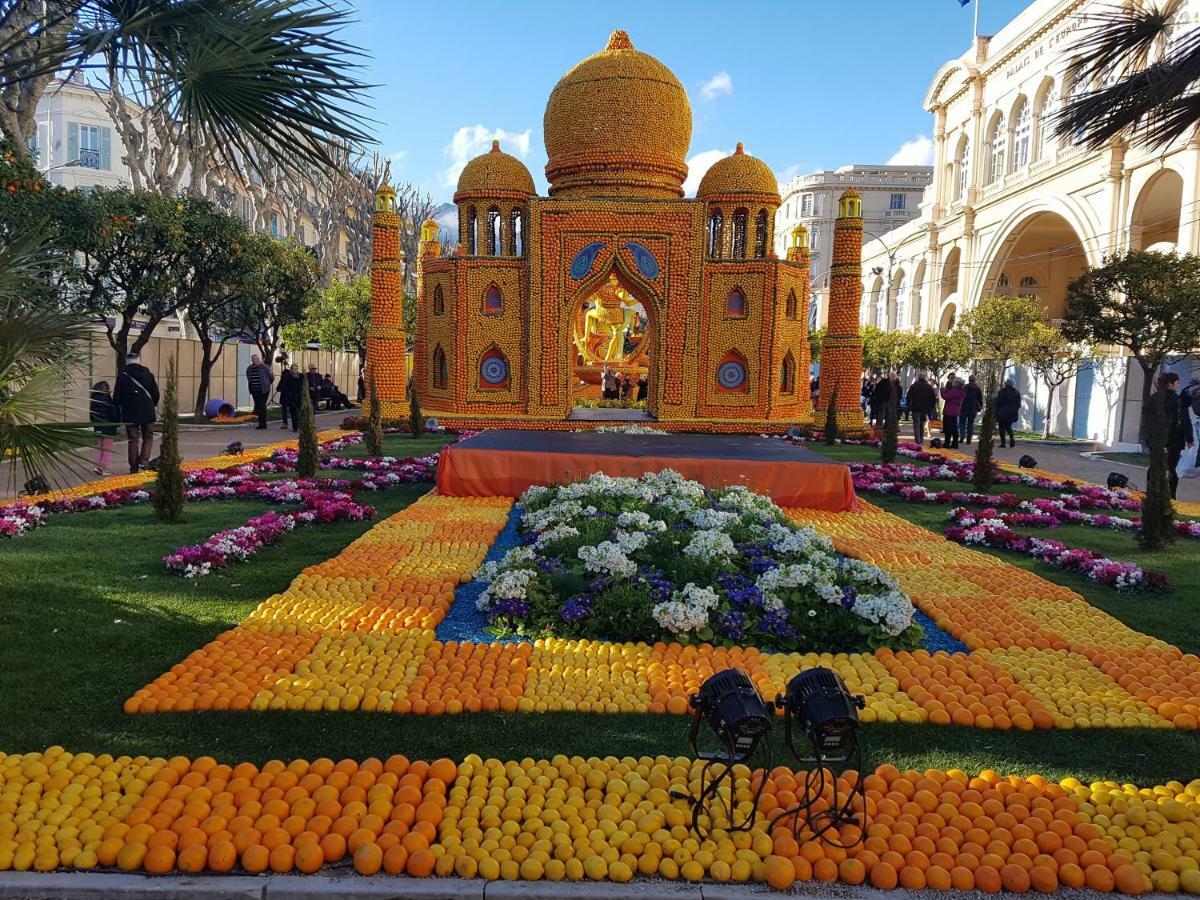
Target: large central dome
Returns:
[[618, 125]]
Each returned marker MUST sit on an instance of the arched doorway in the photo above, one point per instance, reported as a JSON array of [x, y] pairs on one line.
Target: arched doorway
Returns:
[[611, 326], [1042, 254], [1156, 213]]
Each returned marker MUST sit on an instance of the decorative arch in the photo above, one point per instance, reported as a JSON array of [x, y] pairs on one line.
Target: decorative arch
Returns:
[[472, 229], [1043, 115], [494, 372], [716, 234], [962, 167], [791, 306], [1022, 134], [736, 305], [440, 368], [495, 232], [948, 317], [949, 281], [876, 302], [439, 301], [741, 217], [997, 143], [1157, 211], [897, 299], [918, 293], [945, 78], [760, 234], [732, 375], [516, 232], [493, 300], [787, 374]]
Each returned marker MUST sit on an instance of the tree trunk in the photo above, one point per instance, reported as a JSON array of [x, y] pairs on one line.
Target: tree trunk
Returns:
[[1148, 369], [207, 361], [1046, 429]]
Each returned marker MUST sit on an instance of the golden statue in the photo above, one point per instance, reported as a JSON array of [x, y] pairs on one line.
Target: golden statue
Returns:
[[607, 318]]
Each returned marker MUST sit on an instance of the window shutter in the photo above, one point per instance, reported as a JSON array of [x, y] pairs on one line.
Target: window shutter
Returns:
[[106, 149], [72, 141]]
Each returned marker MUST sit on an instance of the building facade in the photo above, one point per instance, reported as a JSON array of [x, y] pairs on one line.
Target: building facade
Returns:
[[1012, 210], [614, 270], [891, 197]]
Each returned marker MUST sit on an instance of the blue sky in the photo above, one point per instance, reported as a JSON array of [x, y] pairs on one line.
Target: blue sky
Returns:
[[807, 84]]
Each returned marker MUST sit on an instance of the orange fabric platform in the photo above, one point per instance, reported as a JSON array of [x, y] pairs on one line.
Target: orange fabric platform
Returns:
[[490, 465]]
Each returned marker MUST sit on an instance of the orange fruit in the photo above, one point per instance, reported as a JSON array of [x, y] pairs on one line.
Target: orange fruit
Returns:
[[255, 859], [368, 859], [160, 859], [192, 859], [420, 863], [334, 847], [987, 879], [852, 871], [222, 856], [912, 878], [1044, 879], [824, 869], [1015, 878], [1129, 880], [309, 857], [883, 875], [395, 859], [283, 858], [780, 873], [937, 878], [1099, 878]]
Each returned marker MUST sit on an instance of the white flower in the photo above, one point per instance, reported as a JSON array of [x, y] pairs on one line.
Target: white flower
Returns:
[[687, 610], [706, 517], [710, 544], [557, 533], [607, 557]]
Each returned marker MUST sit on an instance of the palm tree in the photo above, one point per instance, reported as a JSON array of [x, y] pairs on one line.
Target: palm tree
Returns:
[[243, 74], [1145, 60]]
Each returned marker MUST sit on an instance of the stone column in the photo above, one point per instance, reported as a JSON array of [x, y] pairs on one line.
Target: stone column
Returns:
[[841, 353], [387, 353]]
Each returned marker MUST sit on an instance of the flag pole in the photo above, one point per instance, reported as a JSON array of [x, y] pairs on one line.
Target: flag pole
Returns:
[[975, 35]]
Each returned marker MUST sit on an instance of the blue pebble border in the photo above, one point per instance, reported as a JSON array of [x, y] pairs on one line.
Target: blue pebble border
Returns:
[[464, 621]]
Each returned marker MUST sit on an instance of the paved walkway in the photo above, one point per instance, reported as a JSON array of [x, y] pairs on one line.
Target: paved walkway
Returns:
[[196, 442]]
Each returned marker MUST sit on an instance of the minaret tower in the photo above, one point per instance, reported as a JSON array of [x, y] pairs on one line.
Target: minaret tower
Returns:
[[430, 247], [387, 351], [841, 352], [799, 253]]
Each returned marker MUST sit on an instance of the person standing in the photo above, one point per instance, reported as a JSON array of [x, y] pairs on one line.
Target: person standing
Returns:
[[1008, 410], [291, 383], [259, 379], [104, 415], [921, 403], [881, 394], [1179, 425], [972, 405], [137, 397], [953, 396], [643, 385]]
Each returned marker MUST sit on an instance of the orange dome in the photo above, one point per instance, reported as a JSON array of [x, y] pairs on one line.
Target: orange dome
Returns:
[[495, 172], [618, 124], [741, 174]]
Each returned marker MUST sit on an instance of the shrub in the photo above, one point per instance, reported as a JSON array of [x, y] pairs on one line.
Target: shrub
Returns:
[[168, 489], [309, 458]]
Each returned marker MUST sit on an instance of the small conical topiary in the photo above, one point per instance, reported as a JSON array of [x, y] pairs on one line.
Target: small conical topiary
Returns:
[[831, 426], [168, 488], [416, 419], [891, 426], [308, 460], [373, 433], [985, 468], [1158, 512]]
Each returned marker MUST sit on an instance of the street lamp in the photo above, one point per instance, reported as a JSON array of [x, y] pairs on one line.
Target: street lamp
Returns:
[[70, 162]]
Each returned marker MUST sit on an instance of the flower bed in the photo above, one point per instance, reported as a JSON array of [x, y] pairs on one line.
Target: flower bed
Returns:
[[661, 557]]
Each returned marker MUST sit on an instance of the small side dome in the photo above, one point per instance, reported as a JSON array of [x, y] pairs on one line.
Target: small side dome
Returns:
[[495, 172], [740, 174]]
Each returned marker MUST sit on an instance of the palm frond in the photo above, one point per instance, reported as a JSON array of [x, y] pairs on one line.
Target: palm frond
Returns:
[[1141, 98]]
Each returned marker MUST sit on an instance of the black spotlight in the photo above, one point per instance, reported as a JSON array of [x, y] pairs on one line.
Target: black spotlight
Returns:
[[735, 711], [152, 465], [1027, 462], [35, 485], [795, 433], [1117, 480], [936, 443], [820, 705], [234, 449]]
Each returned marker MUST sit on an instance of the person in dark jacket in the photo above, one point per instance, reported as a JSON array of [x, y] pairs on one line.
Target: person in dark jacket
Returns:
[[137, 396], [881, 393], [972, 406], [314, 381], [922, 402], [291, 383], [106, 415], [1179, 424], [259, 379], [953, 395], [643, 386], [1008, 410]]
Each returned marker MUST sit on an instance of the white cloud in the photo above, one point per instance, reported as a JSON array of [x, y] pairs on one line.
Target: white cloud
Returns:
[[697, 166], [472, 140], [789, 173], [917, 152], [719, 84]]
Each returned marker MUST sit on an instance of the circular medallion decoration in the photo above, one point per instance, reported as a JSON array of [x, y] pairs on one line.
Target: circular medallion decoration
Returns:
[[731, 375], [494, 370]]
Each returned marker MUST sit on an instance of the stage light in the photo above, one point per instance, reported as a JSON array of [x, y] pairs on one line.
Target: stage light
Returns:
[[736, 713], [1027, 462], [36, 485], [795, 433], [152, 465], [936, 443], [819, 704], [431, 424], [1117, 480], [234, 449]]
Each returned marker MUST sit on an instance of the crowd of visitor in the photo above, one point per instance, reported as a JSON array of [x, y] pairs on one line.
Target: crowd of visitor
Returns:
[[962, 402]]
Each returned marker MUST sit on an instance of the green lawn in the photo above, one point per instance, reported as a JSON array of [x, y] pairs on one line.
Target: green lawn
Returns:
[[88, 616], [1130, 459]]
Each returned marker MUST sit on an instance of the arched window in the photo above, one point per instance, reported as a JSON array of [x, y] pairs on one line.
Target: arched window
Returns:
[[516, 233], [963, 169], [716, 234], [1022, 135], [787, 375], [1043, 121], [1003, 284], [918, 297], [493, 370], [493, 301], [472, 227], [439, 301], [881, 300], [1074, 87], [735, 304], [900, 307], [740, 218], [870, 313], [441, 368], [1028, 287], [494, 244], [996, 141], [790, 306], [760, 234], [731, 374]]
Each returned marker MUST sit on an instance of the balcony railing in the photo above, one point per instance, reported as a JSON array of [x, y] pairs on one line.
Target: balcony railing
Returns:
[[89, 159]]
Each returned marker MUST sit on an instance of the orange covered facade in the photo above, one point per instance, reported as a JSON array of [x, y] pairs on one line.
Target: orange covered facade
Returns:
[[726, 321]]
